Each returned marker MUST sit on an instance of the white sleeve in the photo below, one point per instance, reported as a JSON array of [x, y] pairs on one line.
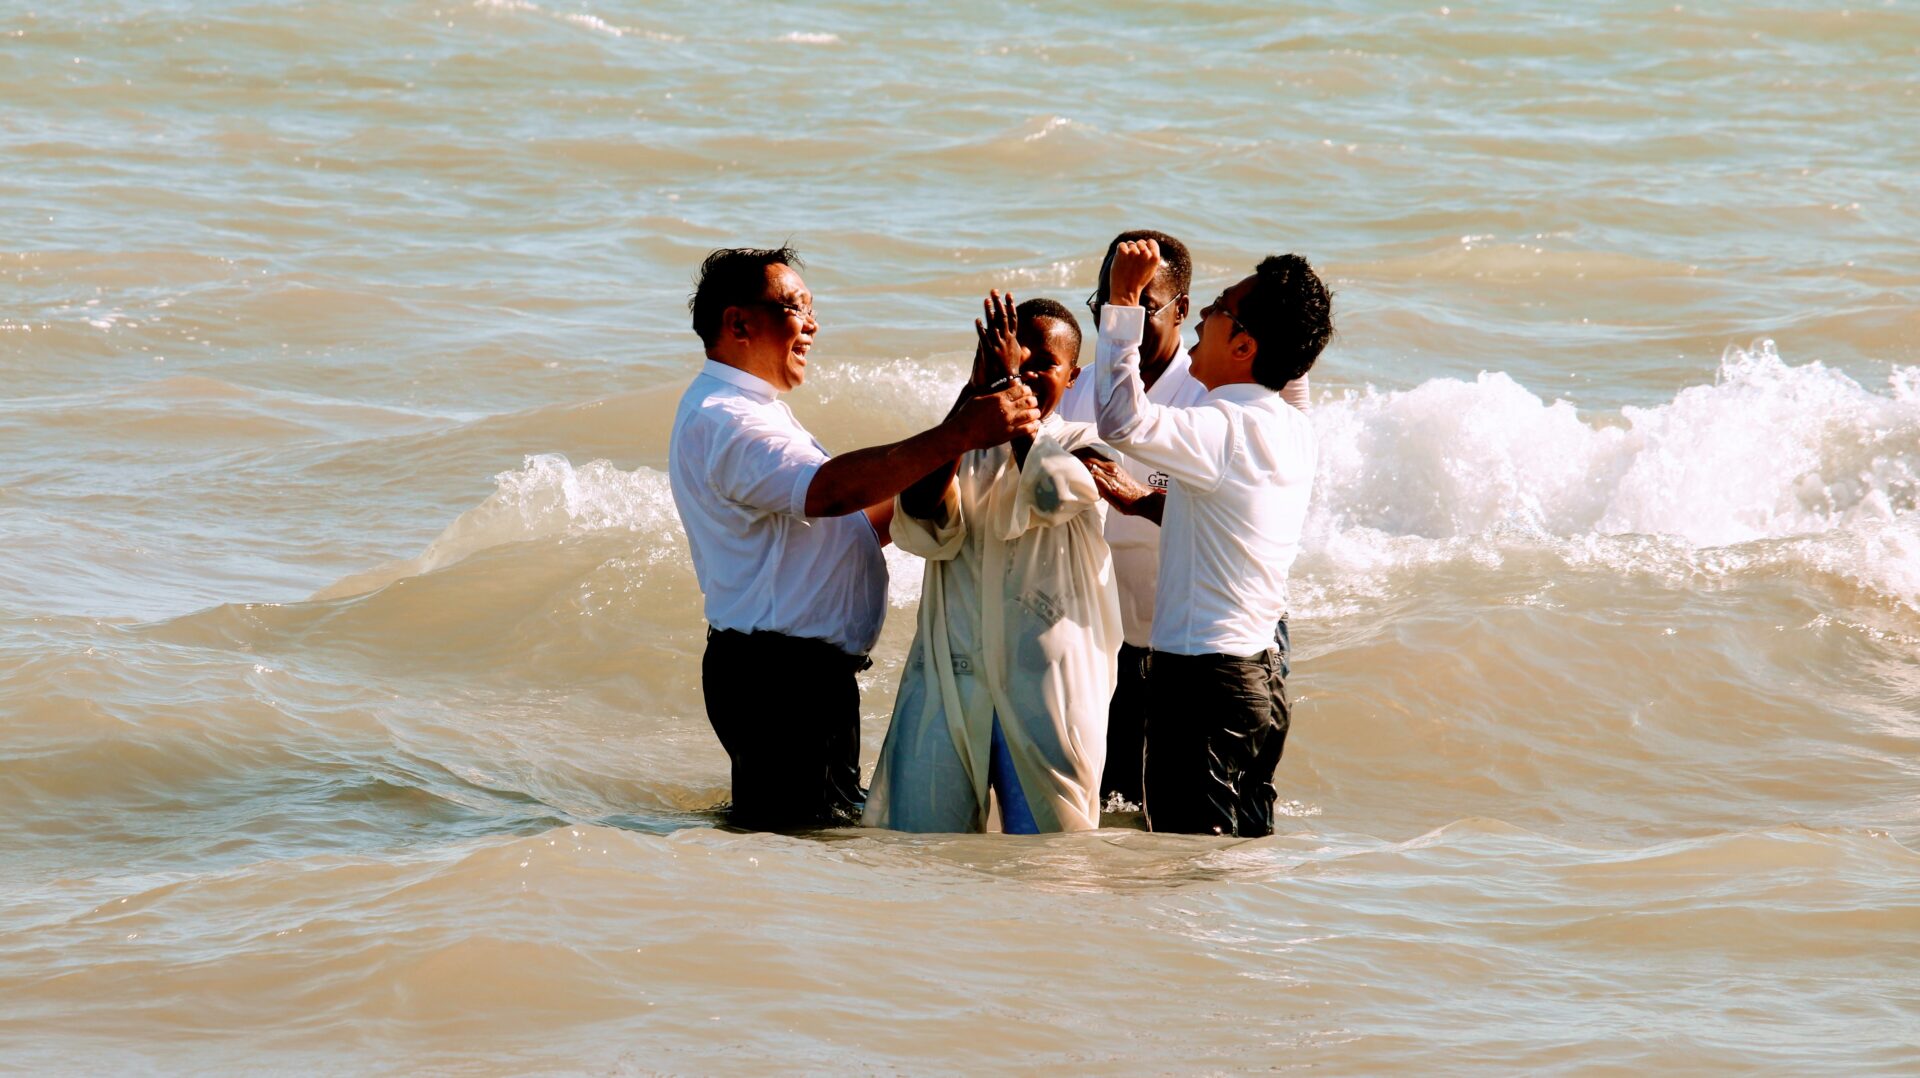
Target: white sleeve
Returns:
[[764, 466], [1295, 393], [1054, 487], [1190, 444]]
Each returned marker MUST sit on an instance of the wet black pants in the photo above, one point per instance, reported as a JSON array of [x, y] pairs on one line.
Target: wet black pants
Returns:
[[1126, 726], [787, 711], [1215, 726]]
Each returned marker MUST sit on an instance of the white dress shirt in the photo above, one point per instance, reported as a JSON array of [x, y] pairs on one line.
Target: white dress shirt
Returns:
[[740, 465], [1135, 541], [1241, 469]]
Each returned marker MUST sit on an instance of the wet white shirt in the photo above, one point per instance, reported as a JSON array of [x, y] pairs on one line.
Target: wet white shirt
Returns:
[[740, 464], [1018, 619], [1240, 467], [1135, 541]]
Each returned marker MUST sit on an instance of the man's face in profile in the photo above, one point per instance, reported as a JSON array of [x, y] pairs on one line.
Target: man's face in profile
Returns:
[[782, 327]]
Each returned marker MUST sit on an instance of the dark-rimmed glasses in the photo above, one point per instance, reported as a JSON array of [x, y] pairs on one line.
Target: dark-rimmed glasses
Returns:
[[805, 313], [1220, 305]]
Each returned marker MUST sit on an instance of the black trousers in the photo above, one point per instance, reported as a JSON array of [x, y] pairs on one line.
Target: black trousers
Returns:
[[1215, 726], [1126, 727], [787, 711]]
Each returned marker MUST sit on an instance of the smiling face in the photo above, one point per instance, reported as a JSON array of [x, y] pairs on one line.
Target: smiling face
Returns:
[[1049, 368], [1223, 351], [776, 332]]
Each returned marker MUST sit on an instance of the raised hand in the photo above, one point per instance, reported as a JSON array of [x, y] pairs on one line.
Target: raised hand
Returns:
[[1001, 353], [1134, 264]]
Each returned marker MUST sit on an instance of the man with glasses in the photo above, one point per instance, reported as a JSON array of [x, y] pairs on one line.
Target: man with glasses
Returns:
[[786, 540], [1240, 469], [1138, 490]]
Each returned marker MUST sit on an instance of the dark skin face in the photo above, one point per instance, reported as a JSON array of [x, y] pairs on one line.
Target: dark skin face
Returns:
[[1049, 365], [1160, 336]]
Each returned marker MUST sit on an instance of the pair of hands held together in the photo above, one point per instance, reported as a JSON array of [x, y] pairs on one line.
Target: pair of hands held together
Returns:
[[998, 404]]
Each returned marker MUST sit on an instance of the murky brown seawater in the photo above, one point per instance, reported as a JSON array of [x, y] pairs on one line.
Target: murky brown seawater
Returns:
[[349, 710]]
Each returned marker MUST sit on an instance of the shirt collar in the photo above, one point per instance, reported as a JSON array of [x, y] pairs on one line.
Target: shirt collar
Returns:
[[754, 385], [1243, 393], [1179, 369]]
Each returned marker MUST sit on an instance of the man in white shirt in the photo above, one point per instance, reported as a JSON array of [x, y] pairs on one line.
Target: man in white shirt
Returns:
[[786, 540], [1005, 689], [1138, 491], [1240, 468]]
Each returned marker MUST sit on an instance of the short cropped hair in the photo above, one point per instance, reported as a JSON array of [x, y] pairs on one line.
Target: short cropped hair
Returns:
[[732, 277], [1176, 265], [1289, 314], [1054, 309]]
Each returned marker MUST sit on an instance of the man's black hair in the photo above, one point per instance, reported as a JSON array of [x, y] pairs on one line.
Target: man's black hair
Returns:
[[1176, 265], [732, 277], [1289, 314], [1048, 308]]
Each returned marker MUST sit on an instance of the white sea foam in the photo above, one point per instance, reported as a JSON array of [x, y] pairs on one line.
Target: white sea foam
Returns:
[[1767, 452], [801, 37], [1769, 466], [549, 498], [546, 498], [581, 19]]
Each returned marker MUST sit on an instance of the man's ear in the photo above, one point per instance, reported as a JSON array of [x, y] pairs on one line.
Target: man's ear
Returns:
[[1244, 349], [733, 321], [1180, 311], [1075, 376]]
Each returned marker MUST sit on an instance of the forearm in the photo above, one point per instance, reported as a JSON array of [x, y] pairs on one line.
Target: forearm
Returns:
[[1149, 507], [852, 481], [924, 498], [1119, 394]]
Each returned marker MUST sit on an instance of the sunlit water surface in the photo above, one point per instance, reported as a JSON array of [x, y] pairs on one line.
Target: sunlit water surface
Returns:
[[349, 707]]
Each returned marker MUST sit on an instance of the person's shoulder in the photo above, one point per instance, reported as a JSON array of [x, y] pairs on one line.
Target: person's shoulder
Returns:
[[1076, 404], [1075, 434]]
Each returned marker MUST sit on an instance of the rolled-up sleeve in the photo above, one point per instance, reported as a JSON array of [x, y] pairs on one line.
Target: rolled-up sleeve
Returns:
[[768, 468], [1054, 487], [1191, 444]]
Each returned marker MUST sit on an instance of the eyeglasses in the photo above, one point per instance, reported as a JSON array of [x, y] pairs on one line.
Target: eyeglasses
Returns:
[[805, 314], [1094, 303], [1220, 306]]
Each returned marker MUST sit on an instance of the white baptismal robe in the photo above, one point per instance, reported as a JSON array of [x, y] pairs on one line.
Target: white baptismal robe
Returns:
[[1019, 617]]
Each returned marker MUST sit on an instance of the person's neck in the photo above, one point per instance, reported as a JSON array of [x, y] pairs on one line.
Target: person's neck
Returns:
[[1150, 371]]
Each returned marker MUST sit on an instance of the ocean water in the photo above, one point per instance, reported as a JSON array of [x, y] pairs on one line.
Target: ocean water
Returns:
[[349, 704]]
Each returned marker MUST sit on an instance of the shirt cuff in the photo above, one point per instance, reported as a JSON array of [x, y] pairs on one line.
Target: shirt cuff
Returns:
[[1122, 325], [802, 479]]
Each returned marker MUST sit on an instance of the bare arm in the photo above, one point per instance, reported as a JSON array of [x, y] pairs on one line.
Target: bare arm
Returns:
[[924, 497], [996, 359], [851, 482]]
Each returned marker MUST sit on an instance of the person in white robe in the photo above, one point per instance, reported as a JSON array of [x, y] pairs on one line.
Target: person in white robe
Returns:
[[1005, 691]]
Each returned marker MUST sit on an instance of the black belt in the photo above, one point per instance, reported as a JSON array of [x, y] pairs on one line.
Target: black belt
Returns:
[[824, 651]]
